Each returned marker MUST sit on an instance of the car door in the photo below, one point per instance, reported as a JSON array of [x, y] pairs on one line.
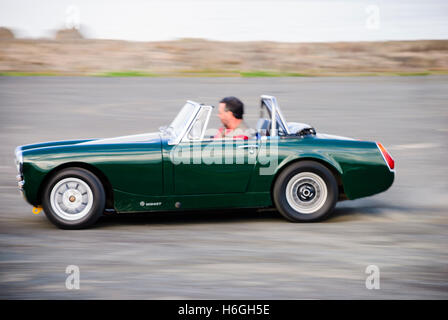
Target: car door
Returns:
[[212, 166], [215, 167]]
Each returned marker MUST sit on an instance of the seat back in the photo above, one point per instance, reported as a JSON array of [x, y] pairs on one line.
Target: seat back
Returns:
[[263, 127]]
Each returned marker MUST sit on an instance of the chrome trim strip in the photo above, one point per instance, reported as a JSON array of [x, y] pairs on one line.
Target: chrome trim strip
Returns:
[[248, 146]]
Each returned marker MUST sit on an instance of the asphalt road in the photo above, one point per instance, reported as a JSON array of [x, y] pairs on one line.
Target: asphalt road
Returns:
[[242, 254]]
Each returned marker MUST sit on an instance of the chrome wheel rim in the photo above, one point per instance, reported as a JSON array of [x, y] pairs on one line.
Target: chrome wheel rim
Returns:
[[306, 192], [71, 199]]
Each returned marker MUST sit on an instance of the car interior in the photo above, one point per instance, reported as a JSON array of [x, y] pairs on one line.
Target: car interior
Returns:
[[201, 130]]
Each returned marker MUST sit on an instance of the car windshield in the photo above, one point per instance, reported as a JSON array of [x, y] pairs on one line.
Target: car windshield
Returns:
[[181, 119]]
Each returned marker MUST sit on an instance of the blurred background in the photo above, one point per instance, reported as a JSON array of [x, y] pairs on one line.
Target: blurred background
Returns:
[[372, 70], [226, 38]]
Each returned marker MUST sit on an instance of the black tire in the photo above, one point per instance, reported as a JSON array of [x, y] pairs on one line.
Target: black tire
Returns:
[[292, 209], [93, 210]]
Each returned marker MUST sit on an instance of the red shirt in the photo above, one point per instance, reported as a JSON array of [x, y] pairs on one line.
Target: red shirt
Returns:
[[227, 133]]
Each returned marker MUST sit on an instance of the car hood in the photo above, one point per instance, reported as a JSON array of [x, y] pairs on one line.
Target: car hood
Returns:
[[144, 137]]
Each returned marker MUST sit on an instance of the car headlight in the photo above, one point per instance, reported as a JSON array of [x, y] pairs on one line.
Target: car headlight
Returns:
[[19, 160]]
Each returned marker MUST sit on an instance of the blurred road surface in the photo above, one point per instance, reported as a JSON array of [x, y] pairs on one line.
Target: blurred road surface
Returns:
[[242, 254]]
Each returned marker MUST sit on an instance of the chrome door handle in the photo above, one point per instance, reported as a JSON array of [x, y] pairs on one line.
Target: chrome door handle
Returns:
[[248, 146], [251, 147]]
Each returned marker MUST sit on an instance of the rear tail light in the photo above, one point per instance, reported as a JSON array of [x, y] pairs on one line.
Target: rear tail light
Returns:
[[387, 157]]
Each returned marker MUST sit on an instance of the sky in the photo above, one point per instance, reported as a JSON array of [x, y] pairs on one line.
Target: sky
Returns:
[[230, 20]]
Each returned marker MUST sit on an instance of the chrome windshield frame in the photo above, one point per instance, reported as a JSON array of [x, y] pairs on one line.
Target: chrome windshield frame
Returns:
[[271, 103], [207, 109], [198, 107]]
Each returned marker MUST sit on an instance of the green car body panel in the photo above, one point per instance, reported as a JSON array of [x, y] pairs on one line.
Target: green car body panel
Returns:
[[164, 171], [143, 177]]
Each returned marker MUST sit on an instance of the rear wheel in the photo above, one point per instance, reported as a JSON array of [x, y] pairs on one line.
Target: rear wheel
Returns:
[[305, 191], [74, 198]]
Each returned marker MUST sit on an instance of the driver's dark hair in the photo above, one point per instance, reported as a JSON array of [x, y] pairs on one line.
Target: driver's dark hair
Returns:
[[234, 105]]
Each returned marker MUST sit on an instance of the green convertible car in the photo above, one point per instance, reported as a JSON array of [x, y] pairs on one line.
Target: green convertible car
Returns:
[[182, 167]]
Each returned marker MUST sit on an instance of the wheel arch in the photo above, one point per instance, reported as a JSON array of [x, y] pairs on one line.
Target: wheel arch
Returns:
[[336, 173], [92, 169]]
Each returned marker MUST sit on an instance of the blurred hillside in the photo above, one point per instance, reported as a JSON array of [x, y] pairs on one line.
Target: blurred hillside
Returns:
[[70, 54]]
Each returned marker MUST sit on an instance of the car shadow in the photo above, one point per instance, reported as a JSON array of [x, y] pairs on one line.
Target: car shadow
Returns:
[[190, 217], [342, 213]]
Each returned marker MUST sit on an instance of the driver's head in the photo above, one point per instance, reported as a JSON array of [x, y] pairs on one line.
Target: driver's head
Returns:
[[230, 110]]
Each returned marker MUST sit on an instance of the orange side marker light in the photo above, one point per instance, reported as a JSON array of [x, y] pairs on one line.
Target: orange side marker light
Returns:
[[37, 210]]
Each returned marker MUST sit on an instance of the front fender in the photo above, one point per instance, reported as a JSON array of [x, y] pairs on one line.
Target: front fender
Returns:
[[132, 167]]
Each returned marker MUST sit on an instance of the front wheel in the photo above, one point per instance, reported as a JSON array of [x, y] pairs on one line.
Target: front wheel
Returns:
[[74, 198], [305, 191]]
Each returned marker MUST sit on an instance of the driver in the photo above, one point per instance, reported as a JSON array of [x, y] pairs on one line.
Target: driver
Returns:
[[230, 112]]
